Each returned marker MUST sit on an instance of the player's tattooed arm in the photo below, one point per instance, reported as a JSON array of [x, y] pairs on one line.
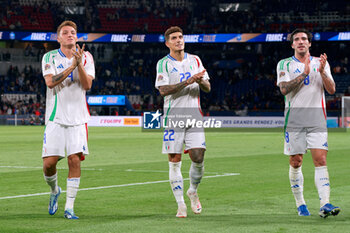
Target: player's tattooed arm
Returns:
[[328, 83], [57, 77], [287, 87], [204, 85], [53, 80], [172, 89]]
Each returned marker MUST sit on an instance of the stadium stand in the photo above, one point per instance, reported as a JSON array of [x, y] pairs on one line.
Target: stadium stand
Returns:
[[156, 16], [243, 76]]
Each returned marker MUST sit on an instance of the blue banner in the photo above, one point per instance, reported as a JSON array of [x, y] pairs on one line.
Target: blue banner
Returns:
[[159, 38], [105, 100]]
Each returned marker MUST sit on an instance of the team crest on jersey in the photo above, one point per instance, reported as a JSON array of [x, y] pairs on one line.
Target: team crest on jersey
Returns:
[[160, 78], [282, 74], [47, 66]]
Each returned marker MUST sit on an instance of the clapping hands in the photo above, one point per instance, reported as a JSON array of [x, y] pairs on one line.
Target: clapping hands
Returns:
[[78, 55]]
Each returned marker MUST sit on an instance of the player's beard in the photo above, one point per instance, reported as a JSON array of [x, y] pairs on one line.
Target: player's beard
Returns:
[[303, 53]]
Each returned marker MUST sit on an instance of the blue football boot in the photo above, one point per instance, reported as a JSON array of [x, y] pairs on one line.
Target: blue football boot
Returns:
[[53, 205], [69, 214], [303, 211], [329, 209]]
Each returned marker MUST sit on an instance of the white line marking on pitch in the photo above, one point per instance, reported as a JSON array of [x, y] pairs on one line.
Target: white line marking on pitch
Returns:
[[60, 168], [133, 170], [117, 186]]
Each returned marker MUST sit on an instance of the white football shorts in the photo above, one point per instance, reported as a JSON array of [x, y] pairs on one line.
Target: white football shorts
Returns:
[[60, 140], [299, 141], [174, 140]]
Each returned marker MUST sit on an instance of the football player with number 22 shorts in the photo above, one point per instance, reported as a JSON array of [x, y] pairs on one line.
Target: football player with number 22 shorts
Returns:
[[180, 77]]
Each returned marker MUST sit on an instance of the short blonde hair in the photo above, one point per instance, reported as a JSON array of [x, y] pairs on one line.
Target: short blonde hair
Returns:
[[66, 23]]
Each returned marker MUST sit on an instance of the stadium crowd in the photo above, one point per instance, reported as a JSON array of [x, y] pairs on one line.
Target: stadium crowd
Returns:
[[243, 75], [193, 16]]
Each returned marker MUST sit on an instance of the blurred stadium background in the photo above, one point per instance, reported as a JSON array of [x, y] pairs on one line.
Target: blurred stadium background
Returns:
[[240, 43], [243, 74]]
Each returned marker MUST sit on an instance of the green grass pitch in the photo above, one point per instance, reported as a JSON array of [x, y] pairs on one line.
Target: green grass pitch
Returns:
[[259, 199]]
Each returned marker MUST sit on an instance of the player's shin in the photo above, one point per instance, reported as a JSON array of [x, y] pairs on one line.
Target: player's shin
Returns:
[[196, 174], [72, 190], [52, 182], [296, 179], [322, 184], [176, 181]]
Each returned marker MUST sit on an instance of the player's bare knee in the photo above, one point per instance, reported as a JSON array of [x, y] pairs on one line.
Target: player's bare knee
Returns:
[[197, 155], [296, 161], [49, 163], [47, 167], [74, 160], [320, 162], [296, 165], [174, 158]]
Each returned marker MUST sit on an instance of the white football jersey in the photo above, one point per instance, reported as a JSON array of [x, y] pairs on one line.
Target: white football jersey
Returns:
[[170, 71], [66, 103], [307, 103]]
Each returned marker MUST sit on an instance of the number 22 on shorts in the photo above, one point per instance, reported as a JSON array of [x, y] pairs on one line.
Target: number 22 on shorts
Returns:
[[168, 135]]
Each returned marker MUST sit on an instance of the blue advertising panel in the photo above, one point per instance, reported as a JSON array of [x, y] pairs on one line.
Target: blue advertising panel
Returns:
[[105, 100], [159, 38]]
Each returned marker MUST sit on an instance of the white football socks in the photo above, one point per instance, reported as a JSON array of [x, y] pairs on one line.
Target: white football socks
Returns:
[[322, 184], [72, 190], [196, 174], [176, 181], [52, 182], [296, 179]]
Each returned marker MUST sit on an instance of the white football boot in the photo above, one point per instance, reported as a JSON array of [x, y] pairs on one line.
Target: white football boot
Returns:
[[195, 203], [181, 211]]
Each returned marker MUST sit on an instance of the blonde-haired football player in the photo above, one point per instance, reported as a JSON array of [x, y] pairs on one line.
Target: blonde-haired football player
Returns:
[[68, 73]]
